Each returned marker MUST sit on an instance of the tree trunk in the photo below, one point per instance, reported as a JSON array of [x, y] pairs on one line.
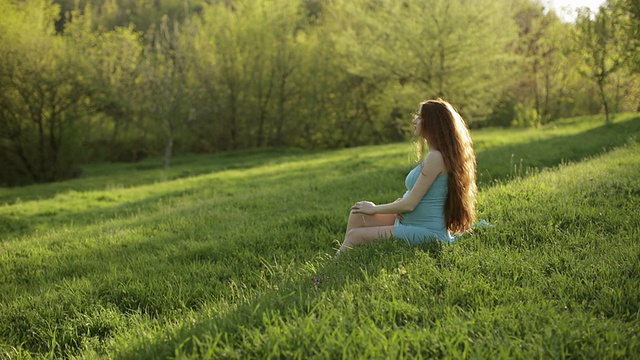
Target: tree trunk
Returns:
[[233, 126], [168, 148], [536, 91], [281, 111], [604, 100], [547, 91], [41, 148]]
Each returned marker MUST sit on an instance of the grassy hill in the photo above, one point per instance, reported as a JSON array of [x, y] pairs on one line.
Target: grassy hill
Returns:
[[229, 255]]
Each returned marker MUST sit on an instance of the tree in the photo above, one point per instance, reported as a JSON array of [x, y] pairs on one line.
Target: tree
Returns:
[[165, 77], [448, 49], [251, 49], [44, 99], [601, 42], [106, 15], [630, 10], [542, 87], [113, 74]]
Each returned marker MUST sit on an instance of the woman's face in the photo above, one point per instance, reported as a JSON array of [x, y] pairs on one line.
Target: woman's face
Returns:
[[417, 125]]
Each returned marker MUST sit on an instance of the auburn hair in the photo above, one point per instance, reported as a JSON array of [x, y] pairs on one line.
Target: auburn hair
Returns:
[[445, 130]]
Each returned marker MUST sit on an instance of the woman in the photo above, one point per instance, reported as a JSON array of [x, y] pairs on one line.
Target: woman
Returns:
[[441, 190]]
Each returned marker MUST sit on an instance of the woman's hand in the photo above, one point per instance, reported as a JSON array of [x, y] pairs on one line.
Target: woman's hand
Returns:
[[364, 207]]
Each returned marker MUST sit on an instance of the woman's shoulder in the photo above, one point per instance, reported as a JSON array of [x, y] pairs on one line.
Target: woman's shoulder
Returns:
[[434, 153], [435, 161], [433, 157]]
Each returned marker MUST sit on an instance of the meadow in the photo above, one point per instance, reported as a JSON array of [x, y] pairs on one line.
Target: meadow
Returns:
[[230, 256]]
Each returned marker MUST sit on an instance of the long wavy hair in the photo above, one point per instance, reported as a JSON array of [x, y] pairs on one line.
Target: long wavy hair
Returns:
[[445, 130]]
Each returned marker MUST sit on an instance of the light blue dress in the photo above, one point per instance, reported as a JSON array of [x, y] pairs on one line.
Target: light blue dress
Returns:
[[426, 222]]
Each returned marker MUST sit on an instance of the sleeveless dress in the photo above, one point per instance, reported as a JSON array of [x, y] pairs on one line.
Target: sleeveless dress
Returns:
[[426, 222]]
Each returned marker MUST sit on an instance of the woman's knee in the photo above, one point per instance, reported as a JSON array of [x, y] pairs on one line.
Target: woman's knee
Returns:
[[349, 237], [356, 220], [355, 236]]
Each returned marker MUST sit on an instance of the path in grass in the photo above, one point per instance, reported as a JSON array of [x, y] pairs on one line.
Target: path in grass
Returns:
[[240, 246]]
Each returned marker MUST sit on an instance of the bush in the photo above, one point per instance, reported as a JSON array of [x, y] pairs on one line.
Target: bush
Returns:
[[525, 116]]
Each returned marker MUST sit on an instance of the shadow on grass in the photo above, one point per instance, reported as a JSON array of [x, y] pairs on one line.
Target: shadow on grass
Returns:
[[150, 171], [226, 191], [219, 264], [494, 164], [27, 225], [147, 219], [550, 152], [225, 333], [505, 162], [219, 250]]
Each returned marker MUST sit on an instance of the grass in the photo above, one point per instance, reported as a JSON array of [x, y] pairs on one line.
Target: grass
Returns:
[[230, 256]]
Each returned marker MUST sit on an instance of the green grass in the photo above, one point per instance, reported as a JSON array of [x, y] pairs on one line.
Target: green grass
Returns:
[[230, 256]]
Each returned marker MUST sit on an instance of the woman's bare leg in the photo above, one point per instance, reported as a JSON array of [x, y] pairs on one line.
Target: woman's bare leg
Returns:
[[362, 220], [365, 235]]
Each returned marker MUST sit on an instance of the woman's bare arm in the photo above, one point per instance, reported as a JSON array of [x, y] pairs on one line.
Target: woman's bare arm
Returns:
[[432, 167]]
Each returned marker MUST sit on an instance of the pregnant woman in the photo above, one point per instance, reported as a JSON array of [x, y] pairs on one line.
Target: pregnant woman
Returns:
[[441, 190]]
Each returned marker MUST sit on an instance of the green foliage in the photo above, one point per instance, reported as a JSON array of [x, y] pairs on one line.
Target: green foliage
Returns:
[[630, 9], [165, 77], [106, 15], [602, 42], [121, 80], [252, 98], [546, 64], [414, 43], [112, 67], [525, 116], [230, 255], [44, 98]]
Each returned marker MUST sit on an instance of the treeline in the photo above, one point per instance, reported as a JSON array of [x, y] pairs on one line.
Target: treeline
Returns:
[[119, 80]]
